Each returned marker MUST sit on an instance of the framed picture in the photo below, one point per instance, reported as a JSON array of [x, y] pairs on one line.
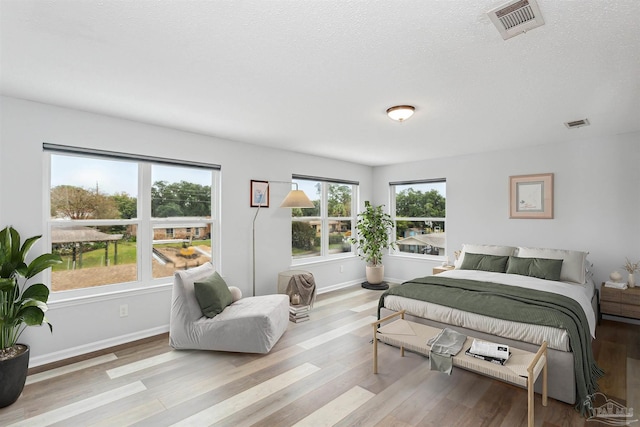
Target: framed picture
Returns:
[[531, 196], [259, 194]]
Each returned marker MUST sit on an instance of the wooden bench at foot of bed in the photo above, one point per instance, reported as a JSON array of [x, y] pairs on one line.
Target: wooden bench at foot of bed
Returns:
[[522, 368]]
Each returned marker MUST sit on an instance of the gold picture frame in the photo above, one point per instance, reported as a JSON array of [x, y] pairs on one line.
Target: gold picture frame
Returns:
[[531, 196]]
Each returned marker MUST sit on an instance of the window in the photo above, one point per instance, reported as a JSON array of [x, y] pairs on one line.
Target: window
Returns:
[[116, 219], [323, 231], [419, 210]]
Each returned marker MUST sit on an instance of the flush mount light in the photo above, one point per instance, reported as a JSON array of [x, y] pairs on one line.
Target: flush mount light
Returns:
[[400, 113]]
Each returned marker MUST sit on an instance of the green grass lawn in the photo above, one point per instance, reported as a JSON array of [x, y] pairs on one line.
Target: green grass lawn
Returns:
[[127, 254]]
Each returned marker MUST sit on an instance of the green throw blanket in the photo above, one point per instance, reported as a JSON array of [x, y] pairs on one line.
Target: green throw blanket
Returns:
[[515, 304]]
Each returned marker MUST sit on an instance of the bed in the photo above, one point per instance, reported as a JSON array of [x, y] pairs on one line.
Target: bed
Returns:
[[520, 297]]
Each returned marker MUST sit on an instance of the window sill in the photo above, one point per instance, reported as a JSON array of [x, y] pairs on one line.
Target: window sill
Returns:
[[82, 296], [416, 257], [319, 260]]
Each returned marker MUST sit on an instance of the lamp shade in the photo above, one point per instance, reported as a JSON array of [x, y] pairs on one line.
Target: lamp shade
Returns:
[[400, 113], [297, 199]]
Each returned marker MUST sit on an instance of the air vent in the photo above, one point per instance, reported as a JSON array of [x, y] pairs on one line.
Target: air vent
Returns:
[[516, 17], [577, 123]]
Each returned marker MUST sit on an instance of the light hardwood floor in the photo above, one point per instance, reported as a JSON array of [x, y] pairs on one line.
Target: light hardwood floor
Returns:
[[319, 374]]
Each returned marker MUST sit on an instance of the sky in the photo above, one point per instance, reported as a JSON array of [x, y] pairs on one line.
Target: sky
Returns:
[[116, 176]]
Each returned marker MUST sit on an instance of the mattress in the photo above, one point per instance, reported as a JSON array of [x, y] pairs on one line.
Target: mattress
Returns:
[[520, 331]]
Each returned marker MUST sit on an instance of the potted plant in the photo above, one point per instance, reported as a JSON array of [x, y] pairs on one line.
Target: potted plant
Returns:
[[373, 226], [20, 306]]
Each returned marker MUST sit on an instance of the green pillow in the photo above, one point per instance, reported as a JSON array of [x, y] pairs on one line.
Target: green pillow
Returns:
[[542, 268], [495, 263], [519, 266], [213, 295]]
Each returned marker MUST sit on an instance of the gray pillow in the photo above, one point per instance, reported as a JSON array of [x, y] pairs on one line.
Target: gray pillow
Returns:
[[213, 294], [542, 268], [494, 263]]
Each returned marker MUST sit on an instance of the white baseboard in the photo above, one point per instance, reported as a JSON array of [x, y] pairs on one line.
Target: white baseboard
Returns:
[[340, 286], [95, 346]]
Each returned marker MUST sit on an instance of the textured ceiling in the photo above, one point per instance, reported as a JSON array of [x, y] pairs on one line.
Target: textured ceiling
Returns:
[[316, 76]]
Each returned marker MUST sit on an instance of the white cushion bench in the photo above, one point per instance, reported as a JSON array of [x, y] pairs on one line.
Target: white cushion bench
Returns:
[[522, 368]]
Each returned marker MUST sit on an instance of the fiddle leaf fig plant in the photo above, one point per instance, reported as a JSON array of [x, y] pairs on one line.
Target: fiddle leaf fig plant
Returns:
[[21, 305], [373, 226]]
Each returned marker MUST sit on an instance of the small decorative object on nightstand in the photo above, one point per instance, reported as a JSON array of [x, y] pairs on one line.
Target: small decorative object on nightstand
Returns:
[[441, 269], [615, 277], [631, 268]]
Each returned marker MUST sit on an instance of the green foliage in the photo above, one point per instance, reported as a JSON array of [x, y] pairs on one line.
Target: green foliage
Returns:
[[412, 203], [335, 238], [180, 199], [339, 200], [127, 205], [20, 305], [373, 228], [302, 235]]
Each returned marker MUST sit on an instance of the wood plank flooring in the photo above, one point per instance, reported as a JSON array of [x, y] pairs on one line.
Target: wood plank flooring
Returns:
[[318, 374]]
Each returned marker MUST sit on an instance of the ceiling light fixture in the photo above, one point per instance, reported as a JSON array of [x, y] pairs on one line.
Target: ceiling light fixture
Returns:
[[400, 113]]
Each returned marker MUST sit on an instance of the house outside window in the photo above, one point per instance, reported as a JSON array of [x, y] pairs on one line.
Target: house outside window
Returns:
[[120, 220], [321, 232], [418, 209]]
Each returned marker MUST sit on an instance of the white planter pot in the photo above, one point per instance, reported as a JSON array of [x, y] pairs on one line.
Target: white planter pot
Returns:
[[375, 274]]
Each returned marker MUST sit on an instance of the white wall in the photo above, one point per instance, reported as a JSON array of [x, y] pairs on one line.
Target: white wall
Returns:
[[88, 324], [597, 208], [597, 200]]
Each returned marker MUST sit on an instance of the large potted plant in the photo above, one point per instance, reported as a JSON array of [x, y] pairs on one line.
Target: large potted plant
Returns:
[[373, 236], [20, 306]]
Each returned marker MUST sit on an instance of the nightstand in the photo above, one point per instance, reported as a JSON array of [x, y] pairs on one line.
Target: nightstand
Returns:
[[620, 302], [438, 270]]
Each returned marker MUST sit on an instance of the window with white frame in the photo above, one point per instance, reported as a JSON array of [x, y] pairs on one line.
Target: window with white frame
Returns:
[[323, 231], [418, 209], [116, 218]]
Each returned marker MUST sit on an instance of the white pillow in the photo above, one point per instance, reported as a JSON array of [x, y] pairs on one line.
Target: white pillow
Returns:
[[484, 250], [236, 293], [186, 278], [572, 261]]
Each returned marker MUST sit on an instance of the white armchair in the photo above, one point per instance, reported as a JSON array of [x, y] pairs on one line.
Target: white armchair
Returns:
[[249, 325]]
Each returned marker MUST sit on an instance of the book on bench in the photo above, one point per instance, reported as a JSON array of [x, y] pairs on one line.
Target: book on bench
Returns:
[[491, 352]]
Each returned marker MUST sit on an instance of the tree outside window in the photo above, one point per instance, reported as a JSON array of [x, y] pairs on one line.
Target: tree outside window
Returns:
[[419, 212], [322, 231]]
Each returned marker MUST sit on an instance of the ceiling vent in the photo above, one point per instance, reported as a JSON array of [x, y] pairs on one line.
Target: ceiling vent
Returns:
[[577, 123], [516, 17]]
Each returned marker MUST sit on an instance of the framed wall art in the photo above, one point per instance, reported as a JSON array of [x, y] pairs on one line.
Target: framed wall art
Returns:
[[259, 194], [531, 196]]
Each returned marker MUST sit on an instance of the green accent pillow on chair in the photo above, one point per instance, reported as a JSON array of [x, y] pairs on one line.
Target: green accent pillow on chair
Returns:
[[213, 295]]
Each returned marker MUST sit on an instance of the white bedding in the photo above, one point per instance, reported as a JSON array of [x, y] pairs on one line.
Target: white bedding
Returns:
[[555, 337]]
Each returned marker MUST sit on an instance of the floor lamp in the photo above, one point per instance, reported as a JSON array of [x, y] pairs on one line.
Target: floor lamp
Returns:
[[295, 199]]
